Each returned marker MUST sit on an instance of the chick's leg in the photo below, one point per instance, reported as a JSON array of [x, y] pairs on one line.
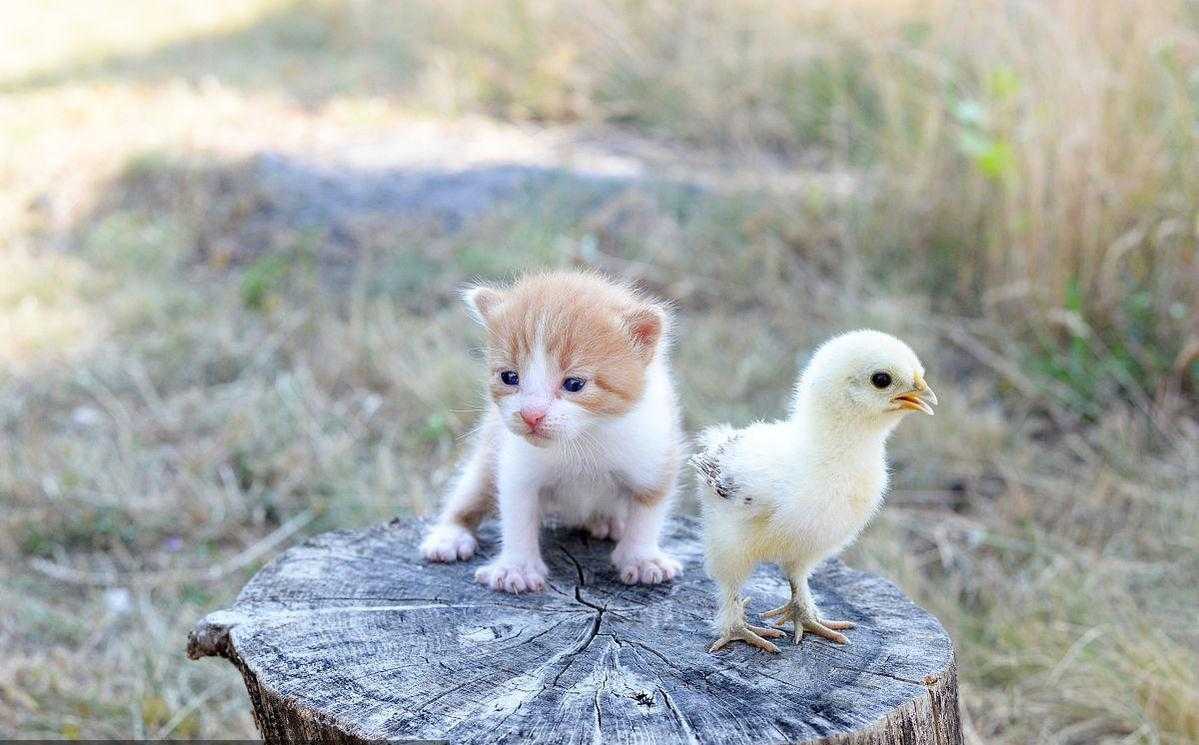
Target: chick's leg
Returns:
[[801, 611], [730, 621], [731, 630]]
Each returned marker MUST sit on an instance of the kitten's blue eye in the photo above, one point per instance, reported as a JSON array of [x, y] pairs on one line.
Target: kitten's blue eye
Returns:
[[509, 378], [573, 385]]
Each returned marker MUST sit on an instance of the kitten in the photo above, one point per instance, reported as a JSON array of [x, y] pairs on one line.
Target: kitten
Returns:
[[582, 426]]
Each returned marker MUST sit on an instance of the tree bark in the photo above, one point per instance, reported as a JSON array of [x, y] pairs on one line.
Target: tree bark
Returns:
[[350, 637]]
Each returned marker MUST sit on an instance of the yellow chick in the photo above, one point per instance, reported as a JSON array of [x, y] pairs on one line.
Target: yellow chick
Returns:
[[796, 491]]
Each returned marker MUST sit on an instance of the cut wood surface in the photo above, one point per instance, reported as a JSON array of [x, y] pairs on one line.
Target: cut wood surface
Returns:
[[351, 637]]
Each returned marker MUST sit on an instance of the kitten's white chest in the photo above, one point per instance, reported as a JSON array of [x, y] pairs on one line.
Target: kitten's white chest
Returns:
[[574, 501]]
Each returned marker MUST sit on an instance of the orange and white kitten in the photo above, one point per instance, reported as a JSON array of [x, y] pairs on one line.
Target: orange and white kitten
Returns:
[[582, 428]]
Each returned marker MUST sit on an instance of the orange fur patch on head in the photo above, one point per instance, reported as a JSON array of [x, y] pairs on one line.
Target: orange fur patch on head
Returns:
[[589, 327]]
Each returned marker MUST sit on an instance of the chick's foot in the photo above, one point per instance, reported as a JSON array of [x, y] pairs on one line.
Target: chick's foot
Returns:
[[806, 619], [754, 635], [738, 630]]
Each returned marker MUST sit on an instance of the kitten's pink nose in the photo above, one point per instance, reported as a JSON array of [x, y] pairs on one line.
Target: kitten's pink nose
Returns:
[[532, 417]]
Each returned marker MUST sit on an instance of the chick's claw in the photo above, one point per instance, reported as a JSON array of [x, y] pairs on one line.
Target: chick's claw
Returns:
[[806, 620], [753, 635]]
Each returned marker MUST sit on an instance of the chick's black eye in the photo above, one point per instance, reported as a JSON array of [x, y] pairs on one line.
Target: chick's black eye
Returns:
[[880, 379], [509, 378], [573, 385]]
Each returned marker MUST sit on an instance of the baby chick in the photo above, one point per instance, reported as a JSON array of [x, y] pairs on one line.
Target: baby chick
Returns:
[[796, 491]]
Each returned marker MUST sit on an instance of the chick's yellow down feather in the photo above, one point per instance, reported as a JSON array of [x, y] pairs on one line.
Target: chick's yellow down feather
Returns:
[[797, 490]]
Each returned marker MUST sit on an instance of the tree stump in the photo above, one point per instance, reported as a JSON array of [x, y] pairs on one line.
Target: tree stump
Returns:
[[350, 637]]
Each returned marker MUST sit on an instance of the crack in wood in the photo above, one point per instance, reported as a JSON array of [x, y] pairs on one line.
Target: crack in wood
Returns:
[[929, 682], [597, 734], [542, 633], [572, 654], [879, 673], [678, 715], [447, 692], [578, 567]]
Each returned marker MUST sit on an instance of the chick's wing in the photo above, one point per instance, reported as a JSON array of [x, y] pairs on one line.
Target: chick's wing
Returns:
[[715, 463]]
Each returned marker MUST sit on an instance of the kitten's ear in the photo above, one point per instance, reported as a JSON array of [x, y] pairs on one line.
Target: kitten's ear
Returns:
[[482, 302], [646, 324]]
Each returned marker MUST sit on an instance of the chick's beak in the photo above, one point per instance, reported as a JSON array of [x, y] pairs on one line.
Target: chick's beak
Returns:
[[917, 399]]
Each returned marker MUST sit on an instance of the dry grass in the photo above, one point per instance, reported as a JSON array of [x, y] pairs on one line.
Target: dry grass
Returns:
[[1034, 160], [188, 379]]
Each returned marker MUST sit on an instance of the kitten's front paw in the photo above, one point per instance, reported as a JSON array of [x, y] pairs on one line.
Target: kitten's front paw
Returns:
[[513, 575], [448, 542], [648, 569]]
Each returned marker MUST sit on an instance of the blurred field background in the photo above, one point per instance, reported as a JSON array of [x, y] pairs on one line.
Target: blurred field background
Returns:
[[231, 234]]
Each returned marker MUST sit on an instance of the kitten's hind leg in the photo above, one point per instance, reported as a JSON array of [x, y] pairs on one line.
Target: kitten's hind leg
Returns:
[[472, 497], [606, 527]]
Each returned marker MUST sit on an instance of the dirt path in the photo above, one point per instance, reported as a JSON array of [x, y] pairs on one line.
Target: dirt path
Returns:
[[342, 191], [338, 183]]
